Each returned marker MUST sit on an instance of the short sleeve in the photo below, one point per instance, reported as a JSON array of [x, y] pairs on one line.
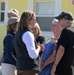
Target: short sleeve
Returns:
[[63, 40], [55, 47]]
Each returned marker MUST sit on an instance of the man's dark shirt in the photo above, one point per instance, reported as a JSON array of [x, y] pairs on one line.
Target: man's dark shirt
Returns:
[[67, 41]]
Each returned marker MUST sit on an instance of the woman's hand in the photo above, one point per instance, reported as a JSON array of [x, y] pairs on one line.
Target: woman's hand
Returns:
[[42, 46], [0, 62], [41, 65], [53, 40]]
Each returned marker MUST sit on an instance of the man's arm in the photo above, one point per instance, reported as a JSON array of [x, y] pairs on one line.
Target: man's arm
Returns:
[[59, 55], [50, 59]]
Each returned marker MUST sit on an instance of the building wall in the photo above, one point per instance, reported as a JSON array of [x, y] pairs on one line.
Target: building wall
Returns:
[[68, 6], [20, 5]]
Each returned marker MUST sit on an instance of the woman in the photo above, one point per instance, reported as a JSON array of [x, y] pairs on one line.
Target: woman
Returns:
[[27, 51], [9, 60], [38, 34], [49, 53]]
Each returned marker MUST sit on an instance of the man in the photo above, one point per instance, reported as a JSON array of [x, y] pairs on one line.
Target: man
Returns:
[[65, 46], [49, 52]]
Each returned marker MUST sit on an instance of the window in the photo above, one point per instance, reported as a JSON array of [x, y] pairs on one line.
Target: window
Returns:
[[2, 11], [45, 8], [45, 11]]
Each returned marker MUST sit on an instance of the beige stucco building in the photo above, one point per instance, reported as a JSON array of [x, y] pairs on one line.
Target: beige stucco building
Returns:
[[45, 11]]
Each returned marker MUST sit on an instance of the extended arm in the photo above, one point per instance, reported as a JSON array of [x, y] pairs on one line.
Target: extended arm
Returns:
[[50, 59]]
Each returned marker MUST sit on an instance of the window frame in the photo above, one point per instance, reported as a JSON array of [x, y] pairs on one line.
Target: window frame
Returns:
[[58, 7], [2, 11], [46, 15], [5, 12]]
